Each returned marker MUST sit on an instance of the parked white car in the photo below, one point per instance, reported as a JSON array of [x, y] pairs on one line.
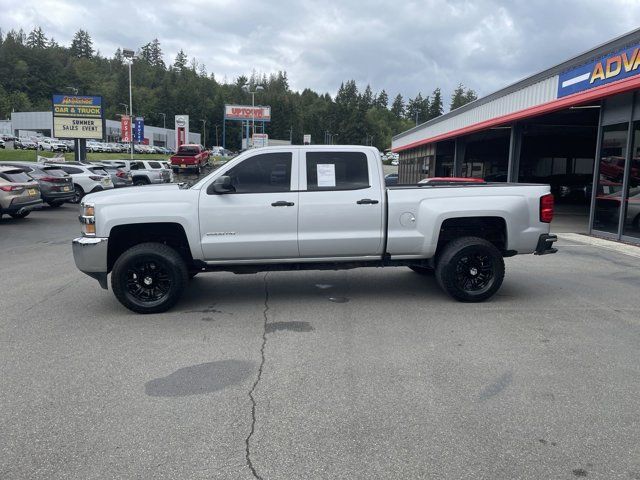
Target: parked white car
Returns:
[[86, 178]]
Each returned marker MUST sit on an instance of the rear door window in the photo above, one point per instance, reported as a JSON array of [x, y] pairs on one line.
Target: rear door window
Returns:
[[337, 171]]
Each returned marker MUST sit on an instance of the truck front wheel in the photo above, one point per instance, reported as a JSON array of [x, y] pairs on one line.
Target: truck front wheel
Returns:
[[149, 278], [470, 269]]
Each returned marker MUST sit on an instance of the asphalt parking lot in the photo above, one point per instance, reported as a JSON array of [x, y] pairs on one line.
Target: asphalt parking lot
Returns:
[[357, 374]]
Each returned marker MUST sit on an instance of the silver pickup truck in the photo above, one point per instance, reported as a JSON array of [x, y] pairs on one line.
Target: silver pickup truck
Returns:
[[311, 207]]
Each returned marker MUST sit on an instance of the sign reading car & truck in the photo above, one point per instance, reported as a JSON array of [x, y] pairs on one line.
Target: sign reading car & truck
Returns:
[[78, 116], [610, 68]]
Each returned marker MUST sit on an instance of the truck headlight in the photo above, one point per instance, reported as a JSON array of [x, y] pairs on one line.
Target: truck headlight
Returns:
[[88, 220]]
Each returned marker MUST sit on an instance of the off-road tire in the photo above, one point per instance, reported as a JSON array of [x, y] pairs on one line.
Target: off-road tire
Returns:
[[466, 260], [166, 259]]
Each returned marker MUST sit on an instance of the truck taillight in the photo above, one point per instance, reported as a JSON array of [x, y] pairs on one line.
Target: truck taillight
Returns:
[[546, 208]]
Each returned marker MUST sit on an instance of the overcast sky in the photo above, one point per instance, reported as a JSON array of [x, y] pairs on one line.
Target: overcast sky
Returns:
[[401, 46]]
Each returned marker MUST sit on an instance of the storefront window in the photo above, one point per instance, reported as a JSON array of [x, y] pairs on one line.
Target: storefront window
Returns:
[[631, 227], [613, 154]]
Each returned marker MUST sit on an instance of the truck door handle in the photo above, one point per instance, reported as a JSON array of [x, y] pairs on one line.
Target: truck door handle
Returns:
[[367, 201], [282, 203]]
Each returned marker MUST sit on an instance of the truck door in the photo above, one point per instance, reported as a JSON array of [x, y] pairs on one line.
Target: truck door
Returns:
[[259, 219], [341, 205]]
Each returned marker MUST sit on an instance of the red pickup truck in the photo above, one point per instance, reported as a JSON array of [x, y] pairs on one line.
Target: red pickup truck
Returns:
[[189, 157]]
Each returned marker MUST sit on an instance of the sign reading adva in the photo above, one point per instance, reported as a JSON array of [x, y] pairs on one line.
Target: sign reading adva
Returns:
[[610, 68]]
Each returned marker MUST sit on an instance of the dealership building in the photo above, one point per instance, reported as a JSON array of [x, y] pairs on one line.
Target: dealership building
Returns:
[[575, 126], [25, 124]]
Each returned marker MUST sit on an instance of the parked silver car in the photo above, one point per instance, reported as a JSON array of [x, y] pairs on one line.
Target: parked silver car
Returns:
[[19, 193], [56, 186]]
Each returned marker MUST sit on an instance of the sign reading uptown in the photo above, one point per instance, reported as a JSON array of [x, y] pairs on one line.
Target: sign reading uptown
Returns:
[[78, 116], [247, 112]]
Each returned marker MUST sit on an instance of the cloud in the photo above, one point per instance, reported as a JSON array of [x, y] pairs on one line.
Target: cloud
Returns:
[[403, 47]]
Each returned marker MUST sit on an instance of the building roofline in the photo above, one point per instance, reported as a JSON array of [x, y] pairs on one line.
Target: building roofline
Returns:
[[585, 57]]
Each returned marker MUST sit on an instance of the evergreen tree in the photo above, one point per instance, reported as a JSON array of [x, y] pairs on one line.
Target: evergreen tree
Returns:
[[461, 97], [36, 39], [82, 45], [52, 43], [436, 108], [180, 62], [367, 98], [383, 99], [457, 98], [397, 108], [470, 96]]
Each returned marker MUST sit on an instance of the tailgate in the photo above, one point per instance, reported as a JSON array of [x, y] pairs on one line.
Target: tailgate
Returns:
[[180, 160]]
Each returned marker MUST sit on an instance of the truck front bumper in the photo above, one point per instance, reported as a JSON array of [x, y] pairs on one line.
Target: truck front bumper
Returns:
[[90, 255], [545, 244]]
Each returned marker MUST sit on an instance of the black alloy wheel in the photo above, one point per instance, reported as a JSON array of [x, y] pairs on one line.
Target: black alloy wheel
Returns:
[[149, 278], [470, 269]]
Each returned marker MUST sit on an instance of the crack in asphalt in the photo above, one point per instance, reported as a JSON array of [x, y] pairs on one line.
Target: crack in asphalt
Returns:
[[255, 384]]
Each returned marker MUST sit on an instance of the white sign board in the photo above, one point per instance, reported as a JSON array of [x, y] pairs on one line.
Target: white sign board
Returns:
[[326, 175], [260, 140], [307, 139]]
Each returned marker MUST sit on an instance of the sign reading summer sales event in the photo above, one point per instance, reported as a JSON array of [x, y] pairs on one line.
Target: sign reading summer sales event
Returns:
[[77, 116], [247, 112], [610, 68]]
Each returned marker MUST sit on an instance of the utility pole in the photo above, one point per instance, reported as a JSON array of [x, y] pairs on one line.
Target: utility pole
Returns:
[[217, 143]]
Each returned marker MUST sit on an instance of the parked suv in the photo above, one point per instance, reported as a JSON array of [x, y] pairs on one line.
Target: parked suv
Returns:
[[56, 186], [86, 178], [51, 145], [143, 172], [19, 193]]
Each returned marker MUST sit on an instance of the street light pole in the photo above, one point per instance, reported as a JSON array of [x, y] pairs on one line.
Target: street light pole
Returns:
[[130, 55], [204, 132], [258, 88], [164, 126], [217, 143], [126, 108]]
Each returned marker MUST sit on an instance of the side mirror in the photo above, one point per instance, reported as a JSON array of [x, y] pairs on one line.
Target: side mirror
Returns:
[[222, 185]]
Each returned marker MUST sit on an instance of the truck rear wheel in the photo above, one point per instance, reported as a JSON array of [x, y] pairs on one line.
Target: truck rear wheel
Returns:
[[470, 269], [149, 278]]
